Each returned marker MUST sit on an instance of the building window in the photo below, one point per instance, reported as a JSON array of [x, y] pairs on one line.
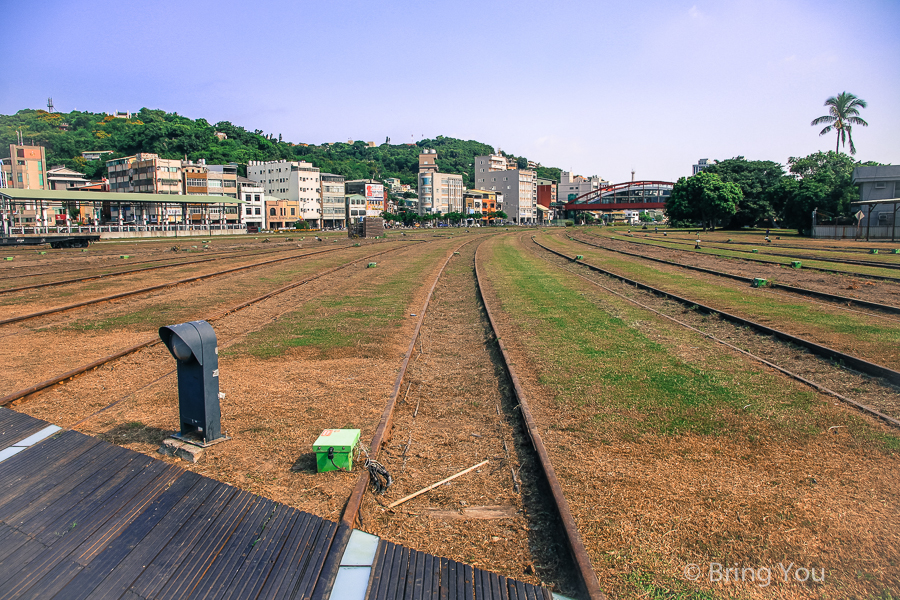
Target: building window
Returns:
[[249, 210], [257, 210], [271, 212], [292, 212]]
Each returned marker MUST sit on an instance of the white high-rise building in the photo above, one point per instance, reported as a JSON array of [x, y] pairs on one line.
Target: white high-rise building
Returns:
[[291, 180], [518, 186], [571, 186]]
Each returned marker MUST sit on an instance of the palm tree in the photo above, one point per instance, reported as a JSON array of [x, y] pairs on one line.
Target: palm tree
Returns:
[[843, 113]]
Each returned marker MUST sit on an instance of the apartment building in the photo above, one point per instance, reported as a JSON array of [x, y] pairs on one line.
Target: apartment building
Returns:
[[438, 192], [373, 191], [26, 168], [253, 194], [547, 197], [201, 179], [145, 173], [355, 207], [701, 165], [483, 202], [571, 186], [518, 186], [280, 213], [297, 181], [334, 209]]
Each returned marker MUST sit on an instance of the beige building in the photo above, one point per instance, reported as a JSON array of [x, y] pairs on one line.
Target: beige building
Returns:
[[281, 213], [297, 181], [145, 173], [518, 186], [201, 179], [26, 168], [438, 192]]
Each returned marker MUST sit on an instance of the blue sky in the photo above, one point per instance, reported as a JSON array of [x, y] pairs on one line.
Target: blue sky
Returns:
[[595, 87]]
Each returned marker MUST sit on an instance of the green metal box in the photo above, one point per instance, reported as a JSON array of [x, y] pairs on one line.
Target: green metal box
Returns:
[[342, 443], [758, 282], [796, 264]]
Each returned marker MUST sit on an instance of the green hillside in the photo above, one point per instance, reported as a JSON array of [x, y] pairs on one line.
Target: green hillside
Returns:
[[66, 135]]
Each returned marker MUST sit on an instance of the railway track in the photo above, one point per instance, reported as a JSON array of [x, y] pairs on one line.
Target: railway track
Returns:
[[351, 512], [868, 368], [208, 256], [871, 264], [80, 370], [59, 309], [834, 249], [131, 271], [840, 300], [865, 408]]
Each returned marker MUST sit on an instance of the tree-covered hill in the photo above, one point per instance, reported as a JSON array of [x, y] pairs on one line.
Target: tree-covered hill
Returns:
[[170, 135]]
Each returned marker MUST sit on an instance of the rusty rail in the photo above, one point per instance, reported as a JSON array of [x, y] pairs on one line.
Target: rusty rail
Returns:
[[579, 553], [152, 342], [161, 286], [864, 366], [816, 386]]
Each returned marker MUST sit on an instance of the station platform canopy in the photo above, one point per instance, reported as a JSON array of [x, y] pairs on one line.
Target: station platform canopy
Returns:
[[17, 195]]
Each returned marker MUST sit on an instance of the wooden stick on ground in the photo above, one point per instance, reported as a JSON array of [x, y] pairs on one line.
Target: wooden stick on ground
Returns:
[[434, 485]]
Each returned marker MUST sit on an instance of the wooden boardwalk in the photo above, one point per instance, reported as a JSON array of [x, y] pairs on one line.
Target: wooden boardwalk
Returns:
[[82, 518]]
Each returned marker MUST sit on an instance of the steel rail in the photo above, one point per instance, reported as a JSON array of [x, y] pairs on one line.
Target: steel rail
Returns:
[[818, 387], [864, 366], [767, 246], [748, 258], [212, 256], [152, 342], [138, 270], [351, 510], [161, 286], [789, 288], [833, 249], [589, 580]]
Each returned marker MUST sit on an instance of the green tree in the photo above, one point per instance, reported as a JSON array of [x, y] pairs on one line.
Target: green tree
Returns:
[[821, 181], [703, 197], [843, 113], [757, 180]]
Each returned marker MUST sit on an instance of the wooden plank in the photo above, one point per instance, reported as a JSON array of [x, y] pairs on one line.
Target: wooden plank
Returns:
[[423, 577], [377, 569], [286, 566], [477, 586], [409, 581], [15, 426], [114, 570], [178, 534], [394, 589], [10, 541], [249, 580], [454, 576], [48, 490], [494, 581], [512, 590], [520, 591], [234, 553], [13, 567], [51, 582], [503, 589], [442, 587], [69, 512], [318, 550], [133, 509], [107, 508], [38, 462], [493, 511], [207, 547], [469, 582]]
